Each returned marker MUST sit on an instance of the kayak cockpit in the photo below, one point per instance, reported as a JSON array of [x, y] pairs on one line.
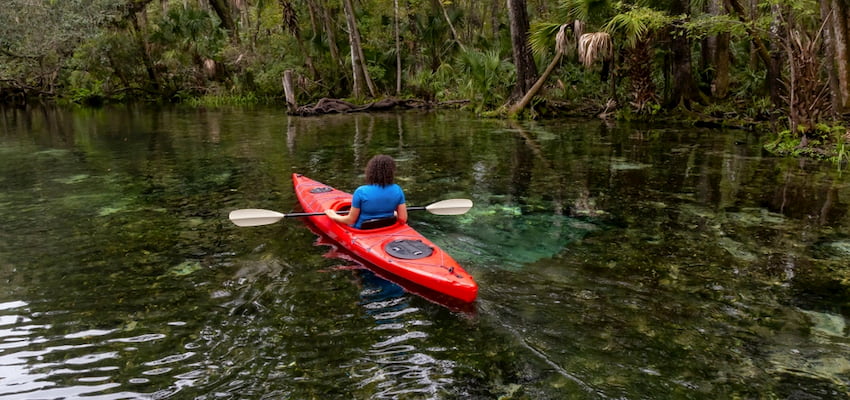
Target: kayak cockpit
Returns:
[[369, 224]]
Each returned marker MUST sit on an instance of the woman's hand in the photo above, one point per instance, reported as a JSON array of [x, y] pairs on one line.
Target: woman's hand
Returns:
[[401, 213], [348, 219]]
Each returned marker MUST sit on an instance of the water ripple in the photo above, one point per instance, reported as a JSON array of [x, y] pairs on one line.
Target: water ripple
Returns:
[[399, 363], [65, 360]]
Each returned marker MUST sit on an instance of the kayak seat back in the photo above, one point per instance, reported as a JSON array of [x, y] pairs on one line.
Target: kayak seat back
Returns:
[[376, 223]]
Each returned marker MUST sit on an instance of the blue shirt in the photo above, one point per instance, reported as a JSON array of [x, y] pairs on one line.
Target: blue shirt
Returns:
[[375, 201]]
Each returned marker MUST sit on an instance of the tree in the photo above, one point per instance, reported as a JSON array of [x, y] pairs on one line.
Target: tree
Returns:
[[397, 35], [683, 88], [225, 15], [289, 23], [638, 28], [37, 37], [526, 70], [358, 64], [561, 45], [834, 16], [773, 81], [716, 54]]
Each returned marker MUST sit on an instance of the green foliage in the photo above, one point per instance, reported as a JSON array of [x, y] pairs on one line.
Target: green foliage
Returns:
[[37, 37], [786, 143], [591, 11], [189, 29], [635, 23], [749, 82], [827, 132], [822, 141], [91, 94], [541, 37], [650, 112], [434, 85], [705, 25], [841, 151], [484, 77], [577, 85], [93, 51], [758, 108], [105, 66], [213, 101]]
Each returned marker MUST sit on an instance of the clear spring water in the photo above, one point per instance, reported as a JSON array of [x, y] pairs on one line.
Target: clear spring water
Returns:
[[613, 261]]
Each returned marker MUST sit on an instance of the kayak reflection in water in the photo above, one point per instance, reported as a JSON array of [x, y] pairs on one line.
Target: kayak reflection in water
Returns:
[[380, 199]]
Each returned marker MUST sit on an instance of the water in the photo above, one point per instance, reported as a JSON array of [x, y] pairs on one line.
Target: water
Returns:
[[613, 261]]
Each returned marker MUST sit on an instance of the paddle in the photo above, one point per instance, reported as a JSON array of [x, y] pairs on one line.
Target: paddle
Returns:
[[257, 217]]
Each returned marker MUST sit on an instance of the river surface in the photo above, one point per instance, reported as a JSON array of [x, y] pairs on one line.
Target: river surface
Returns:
[[614, 261]]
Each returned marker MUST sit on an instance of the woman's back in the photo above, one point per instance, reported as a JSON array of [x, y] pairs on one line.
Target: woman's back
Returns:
[[376, 201]]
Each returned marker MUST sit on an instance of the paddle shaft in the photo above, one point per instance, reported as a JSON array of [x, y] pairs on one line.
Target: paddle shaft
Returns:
[[315, 214], [257, 217]]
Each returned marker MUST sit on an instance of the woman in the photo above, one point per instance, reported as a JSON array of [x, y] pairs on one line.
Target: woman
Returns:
[[379, 198]]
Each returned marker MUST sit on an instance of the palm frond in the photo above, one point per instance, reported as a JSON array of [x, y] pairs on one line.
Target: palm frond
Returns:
[[541, 36], [593, 46], [562, 44], [636, 23], [586, 10]]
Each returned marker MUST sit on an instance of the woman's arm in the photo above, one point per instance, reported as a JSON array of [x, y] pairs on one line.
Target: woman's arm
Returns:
[[401, 212], [348, 219]]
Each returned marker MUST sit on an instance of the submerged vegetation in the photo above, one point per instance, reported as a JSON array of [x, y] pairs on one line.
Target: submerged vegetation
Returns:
[[740, 63]]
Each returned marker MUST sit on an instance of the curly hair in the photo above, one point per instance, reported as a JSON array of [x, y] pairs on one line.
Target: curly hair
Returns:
[[380, 170]]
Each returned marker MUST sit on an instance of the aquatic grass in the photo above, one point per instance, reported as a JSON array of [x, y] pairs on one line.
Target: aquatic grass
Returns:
[[503, 236], [841, 153], [72, 179], [216, 100]]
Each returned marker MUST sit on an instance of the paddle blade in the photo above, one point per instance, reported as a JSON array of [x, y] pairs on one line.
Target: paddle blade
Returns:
[[450, 207], [255, 217]]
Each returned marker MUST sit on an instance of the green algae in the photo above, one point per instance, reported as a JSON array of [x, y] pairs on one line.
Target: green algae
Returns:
[[185, 268], [74, 179]]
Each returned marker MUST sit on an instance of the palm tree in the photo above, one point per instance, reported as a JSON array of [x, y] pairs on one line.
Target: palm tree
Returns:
[[638, 27], [562, 45]]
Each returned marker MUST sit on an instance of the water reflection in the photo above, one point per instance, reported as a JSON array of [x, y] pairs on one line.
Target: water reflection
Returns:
[[57, 361], [613, 262], [397, 365]]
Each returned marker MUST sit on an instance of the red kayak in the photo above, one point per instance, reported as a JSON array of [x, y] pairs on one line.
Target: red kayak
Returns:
[[396, 249]]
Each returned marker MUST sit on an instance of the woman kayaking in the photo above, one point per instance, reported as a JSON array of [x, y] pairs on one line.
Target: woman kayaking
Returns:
[[378, 200]]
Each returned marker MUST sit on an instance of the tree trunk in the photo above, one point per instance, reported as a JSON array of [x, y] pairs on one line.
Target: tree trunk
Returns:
[[449, 22], [829, 56], [683, 88], [642, 90], [519, 106], [141, 36], [561, 43], [842, 55], [225, 15], [722, 66], [774, 74], [721, 56], [494, 18], [289, 91], [358, 66], [397, 50], [526, 70]]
